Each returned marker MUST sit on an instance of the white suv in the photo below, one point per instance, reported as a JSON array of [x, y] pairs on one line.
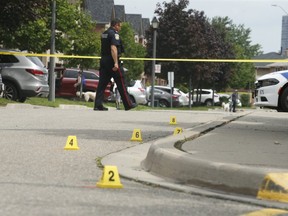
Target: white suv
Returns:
[[205, 97], [137, 92]]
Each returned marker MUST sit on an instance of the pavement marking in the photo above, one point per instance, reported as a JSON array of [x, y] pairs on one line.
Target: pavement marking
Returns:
[[274, 187], [267, 212]]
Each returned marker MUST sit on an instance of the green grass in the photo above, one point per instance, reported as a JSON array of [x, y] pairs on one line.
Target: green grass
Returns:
[[4, 102], [45, 102]]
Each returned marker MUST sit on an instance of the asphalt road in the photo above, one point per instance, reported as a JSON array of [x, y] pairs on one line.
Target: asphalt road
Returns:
[[39, 177]]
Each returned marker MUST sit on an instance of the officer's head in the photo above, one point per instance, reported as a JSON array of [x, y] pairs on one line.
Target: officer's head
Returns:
[[116, 24]]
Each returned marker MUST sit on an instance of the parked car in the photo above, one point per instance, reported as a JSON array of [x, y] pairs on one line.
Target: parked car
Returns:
[[163, 98], [137, 92], [23, 76], [183, 98], [205, 96], [1, 86], [271, 90], [65, 83]]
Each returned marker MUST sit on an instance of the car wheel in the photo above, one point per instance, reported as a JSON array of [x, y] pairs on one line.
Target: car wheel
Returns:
[[284, 100], [10, 91], [22, 99], [208, 102], [132, 99], [163, 103]]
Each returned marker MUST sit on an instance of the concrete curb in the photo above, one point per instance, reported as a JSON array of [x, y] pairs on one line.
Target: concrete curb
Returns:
[[160, 163], [164, 160], [25, 106]]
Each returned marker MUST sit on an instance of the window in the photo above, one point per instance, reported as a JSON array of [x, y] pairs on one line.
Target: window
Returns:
[[8, 59], [36, 61], [89, 75], [71, 73]]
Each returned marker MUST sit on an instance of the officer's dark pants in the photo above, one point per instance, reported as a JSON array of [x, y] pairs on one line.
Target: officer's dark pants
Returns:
[[106, 73]]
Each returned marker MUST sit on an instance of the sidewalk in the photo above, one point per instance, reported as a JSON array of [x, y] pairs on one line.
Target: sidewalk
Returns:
[[227, 157]]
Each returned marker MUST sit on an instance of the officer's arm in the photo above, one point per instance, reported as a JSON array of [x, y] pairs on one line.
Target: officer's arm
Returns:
[[114, 54]]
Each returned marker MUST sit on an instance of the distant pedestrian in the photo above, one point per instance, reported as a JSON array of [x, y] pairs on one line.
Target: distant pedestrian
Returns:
[[234, 98], [78, 83], [111, 50]]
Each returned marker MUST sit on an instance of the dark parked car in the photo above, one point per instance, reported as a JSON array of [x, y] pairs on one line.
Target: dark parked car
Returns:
[[23, 76], [163, 98], [65, 83]]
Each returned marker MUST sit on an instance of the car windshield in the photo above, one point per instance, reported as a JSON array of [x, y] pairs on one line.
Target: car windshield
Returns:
[[131, 83]]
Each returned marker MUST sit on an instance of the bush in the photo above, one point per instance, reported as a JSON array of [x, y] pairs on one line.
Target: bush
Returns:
[[223, 99], [245, 100]]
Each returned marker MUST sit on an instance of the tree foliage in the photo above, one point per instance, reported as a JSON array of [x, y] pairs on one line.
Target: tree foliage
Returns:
[[26, 25], [76, 36], [132, 50], [189, 34], [74, 30], [15, 13], [243, 74]]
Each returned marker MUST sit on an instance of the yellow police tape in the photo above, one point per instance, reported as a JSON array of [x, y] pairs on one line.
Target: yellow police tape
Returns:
[[148, 59]]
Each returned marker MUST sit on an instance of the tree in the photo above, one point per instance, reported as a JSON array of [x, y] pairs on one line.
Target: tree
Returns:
[[243, 74], [19, 18], [132, 49], [74, 31], [15, 13], [187, 34], [76, 36]]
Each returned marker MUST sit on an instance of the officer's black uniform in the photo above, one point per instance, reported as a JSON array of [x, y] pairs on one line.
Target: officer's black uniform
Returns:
[[108, 38]]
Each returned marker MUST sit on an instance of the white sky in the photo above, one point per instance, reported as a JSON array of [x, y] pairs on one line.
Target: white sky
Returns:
[[264, 20]]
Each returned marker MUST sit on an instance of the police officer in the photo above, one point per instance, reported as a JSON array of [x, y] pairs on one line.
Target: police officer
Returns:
[[111, 49]]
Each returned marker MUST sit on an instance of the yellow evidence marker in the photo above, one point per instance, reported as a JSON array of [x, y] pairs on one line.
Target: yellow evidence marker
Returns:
[[71, 143], [173, 120], [177, 130], [136, 136], [274, 187], [110, 178]]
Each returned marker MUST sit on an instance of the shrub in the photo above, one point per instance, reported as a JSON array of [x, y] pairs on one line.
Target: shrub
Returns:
[[245, 100], [223, 99]]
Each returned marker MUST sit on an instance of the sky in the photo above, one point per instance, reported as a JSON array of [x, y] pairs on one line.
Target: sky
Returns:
[[264, 20]]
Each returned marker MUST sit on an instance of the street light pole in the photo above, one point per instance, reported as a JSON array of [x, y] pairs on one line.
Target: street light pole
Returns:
[[52, 58], [155, 25], [274, 5]]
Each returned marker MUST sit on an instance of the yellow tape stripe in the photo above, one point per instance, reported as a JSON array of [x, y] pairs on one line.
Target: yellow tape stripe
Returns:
[[150, 59]]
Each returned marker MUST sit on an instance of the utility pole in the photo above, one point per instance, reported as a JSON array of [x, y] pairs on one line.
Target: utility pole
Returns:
[[52, 52]]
